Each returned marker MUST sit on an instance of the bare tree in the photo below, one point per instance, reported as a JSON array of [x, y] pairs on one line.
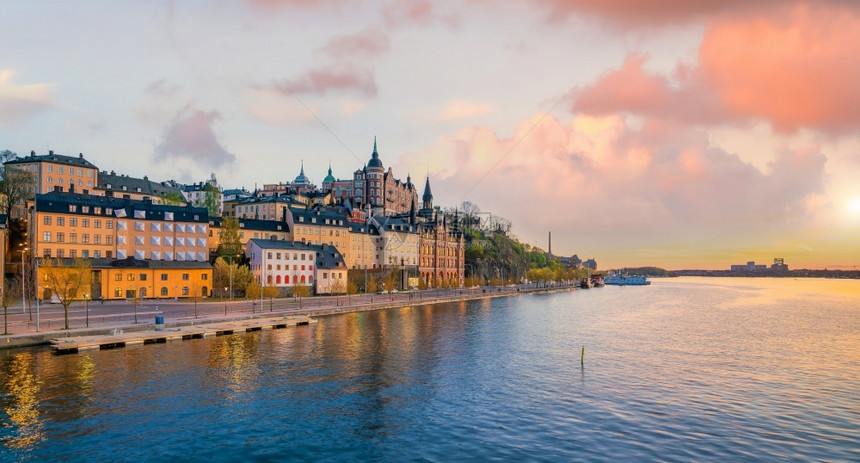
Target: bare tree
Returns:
[[16, 184]]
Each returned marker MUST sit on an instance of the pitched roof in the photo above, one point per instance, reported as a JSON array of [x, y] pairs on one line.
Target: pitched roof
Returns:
[[133, 263], [78, 161], [60, 202], [113, 182]]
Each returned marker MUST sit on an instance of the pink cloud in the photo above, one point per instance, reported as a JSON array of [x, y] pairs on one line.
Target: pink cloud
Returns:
[[18, 102], [273, 4], [606, 180], [796, 69], [190, 136], [323, 80], [416, 12], [368, 43], [656, 13]]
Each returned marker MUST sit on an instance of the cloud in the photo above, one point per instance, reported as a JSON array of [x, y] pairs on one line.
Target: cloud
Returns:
[[162, 88], [798, 67], [658, 13], [461, 109], [190, 136], [420, 12], [606, 179], [789, 69], [368, 43], [309, 4], [323, 80], [19, 102]]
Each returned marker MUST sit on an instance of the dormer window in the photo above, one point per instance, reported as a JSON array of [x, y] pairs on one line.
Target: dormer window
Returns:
[[124, 188], [107, 186]]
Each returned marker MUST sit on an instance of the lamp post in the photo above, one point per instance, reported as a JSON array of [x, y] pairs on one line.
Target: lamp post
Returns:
[[87, 308], [225, 304], [23, 279]]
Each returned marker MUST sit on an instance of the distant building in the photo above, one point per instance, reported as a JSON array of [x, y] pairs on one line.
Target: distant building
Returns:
[[749, 267], [779, 265], [590, 264]]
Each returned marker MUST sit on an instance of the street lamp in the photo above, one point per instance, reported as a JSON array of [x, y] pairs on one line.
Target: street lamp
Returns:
[[87, 308], [23, 279]]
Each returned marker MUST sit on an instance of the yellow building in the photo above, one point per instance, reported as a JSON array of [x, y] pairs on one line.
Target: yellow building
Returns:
[[55, 172], [320, 225], [249, 229], [132, 278], [135, 248]]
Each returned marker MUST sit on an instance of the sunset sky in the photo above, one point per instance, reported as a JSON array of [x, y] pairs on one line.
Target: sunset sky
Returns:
[[682, 134]]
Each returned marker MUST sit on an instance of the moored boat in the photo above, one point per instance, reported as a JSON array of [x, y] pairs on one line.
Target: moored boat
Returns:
[[622, 280]]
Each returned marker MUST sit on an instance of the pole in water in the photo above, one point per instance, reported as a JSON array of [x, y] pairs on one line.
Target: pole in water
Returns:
[[582, 356]]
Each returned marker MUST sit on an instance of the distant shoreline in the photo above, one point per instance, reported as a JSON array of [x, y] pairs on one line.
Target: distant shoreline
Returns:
[[801, 273]]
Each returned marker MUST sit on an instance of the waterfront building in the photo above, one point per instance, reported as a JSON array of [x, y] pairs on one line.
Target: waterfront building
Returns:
[[399, 242], [749, 267], [287, 264], [442, 249], [54, 172], [365, 247], [320, 225], [69, 226]]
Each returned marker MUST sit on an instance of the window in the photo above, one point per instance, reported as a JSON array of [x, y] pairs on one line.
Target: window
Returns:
[[85, 209], [117, 292], [61, 169], [185, 277], [109, 224], [117, 277], [97, 253], [97, 223], [85, 238], [163, 277], [73, 253], [97, 239], [85, 253], [278, 256], [108, 239], [60, 253], [85, 223], [61, 237], [50, 167], [73, 222], [130, 277], [61, 221], [185, 290], [46, 237], [47, 220], [47, 252], [73, 237], [270, 255], [204, 277], [325, 275], [142, 277], [164, 291], [109, 254]]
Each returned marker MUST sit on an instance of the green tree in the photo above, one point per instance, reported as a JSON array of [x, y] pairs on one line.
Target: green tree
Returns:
[[67, 282], [229, 243], [300, 291], [211, 197], [223, 271], [174, 198]]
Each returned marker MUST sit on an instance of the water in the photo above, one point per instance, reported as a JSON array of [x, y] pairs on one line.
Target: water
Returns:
[[682, 370]]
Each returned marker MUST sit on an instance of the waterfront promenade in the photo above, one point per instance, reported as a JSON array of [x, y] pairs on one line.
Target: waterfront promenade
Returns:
[[100, 318]]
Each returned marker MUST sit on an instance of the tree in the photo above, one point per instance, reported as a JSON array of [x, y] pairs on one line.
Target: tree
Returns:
[[9, 292], [371, 286], [253, 290], [173, 198], [270, 291], [337, 286], [195, 293], [210, 198], [67, 282], [15, 184], [300, 291], [230, 246]]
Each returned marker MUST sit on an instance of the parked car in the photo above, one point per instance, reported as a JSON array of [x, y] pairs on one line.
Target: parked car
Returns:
[[55, 299]]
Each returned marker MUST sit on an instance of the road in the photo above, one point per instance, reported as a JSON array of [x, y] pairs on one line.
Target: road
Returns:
[[123, 313]]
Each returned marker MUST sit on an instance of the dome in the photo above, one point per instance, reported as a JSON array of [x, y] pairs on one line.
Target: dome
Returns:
[[329, 178], [302, 179], [374, 159]]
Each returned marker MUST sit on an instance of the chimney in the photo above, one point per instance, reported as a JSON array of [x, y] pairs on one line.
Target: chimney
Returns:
[[550, 243], [51, 152], [33, 153], [145, 178], [80, 155]]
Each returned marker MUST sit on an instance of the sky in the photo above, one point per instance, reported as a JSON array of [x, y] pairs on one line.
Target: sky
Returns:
[[675, 133]]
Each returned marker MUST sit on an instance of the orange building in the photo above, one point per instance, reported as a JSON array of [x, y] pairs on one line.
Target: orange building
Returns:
[[169, 241]]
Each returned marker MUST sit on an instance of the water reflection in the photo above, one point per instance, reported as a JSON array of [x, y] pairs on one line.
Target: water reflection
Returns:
[[233, 364], [21, 403]]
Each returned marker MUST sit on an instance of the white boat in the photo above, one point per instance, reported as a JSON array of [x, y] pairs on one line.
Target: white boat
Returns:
[[622, 280]]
